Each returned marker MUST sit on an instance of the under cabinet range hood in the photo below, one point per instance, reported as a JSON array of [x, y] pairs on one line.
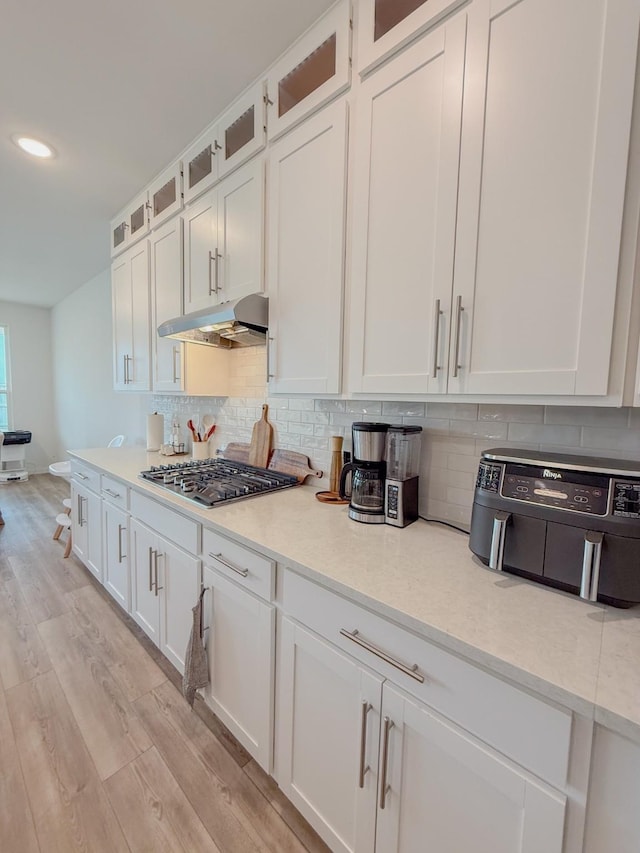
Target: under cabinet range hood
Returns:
[[237, 323]]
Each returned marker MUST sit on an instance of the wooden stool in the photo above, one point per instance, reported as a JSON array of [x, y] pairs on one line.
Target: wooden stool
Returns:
[[63, 520]]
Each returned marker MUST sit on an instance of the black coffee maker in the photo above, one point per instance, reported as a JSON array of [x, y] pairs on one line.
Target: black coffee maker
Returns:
[[368, 471]]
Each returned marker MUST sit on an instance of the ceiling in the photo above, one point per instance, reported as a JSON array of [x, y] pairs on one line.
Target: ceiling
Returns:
[[118, 89]]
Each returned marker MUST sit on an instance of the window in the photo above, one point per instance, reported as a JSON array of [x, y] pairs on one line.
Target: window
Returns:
[[4, 379]]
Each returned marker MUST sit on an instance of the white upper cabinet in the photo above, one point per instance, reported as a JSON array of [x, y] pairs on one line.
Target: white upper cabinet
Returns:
[[165, 195], [305, 273], [487, 226], [235, 137], [224, 240], [406, 153], [313, 71], [200, 241], [545, 140], [166, 303], [387, 25], [240, 240], [130, 295], [131, 224]]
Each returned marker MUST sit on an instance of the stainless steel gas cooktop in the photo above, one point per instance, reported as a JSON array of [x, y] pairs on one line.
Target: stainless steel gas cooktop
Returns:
[[210, 482]]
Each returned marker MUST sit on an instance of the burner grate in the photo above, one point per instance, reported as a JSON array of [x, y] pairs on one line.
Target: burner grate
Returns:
[[210, 482]]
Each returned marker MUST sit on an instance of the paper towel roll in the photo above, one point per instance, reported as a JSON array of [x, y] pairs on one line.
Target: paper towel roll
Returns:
[[155, 431]]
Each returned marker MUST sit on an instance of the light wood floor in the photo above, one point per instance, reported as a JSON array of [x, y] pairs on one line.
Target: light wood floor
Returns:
[[98, 749]]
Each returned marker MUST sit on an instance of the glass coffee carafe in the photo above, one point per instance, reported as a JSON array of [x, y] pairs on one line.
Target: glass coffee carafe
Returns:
[[368, 471]]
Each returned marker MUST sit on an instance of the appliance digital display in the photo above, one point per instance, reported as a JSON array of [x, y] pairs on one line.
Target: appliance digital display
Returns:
[[556, 487]]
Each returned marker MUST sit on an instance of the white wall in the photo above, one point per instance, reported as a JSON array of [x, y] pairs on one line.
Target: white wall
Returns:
[[31, 404], [88, 412]]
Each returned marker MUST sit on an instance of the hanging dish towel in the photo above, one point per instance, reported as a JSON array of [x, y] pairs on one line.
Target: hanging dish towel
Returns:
[[196, 670]]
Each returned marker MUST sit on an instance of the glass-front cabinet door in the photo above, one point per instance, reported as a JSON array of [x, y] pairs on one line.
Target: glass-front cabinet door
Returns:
[[130, 224], [387, 25], [165, 195], [200, 164], [242, 129], [315, 69]]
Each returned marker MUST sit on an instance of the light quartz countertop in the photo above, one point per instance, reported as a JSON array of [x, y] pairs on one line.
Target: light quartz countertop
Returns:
[[584, 656]]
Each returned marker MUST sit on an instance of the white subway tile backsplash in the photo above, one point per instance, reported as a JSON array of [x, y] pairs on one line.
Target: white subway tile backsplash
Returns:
[[623, 440], [454, 433], [301, 404], [396, 410], [586, 416], [364, 407], [480, 429], [543, 434], [458, 411], [330, 405], [523, 414], [315, 417]]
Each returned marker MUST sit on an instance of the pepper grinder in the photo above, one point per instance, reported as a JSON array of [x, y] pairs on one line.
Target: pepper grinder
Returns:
[[336, 463]]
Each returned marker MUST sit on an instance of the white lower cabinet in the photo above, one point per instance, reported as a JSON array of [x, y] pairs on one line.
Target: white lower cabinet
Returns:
[[441, 789], [86, 528], [240, 643], [115, 542], [240, 617], [327, 738], [372, 767], [165, 584]]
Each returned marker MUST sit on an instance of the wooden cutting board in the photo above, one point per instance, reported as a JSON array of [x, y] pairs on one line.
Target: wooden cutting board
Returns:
[[237, 451], [261, 440], [295, 464]]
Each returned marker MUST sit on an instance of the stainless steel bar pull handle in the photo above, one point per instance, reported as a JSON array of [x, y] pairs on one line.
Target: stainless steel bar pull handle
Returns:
[[155, 563], [218, 256], [437, 313], [411, 671], [150, 569], [120, 554], [176, 354], [111, 493], [220, 558], [591, 565], [211, 259], [384, 787], [456, 349], [496, 555], [366, 707]]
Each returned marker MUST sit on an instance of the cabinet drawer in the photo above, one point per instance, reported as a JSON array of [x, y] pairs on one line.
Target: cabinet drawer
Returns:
[[251, 570], [115, 492], [183, 531], [88, 477], [529, 731]]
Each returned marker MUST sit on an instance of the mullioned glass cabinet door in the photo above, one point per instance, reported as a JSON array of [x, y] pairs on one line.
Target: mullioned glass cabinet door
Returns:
[[165, 195], [312, 72], [387, 25]]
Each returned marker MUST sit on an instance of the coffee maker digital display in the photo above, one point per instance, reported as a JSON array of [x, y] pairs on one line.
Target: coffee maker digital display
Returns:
[[368, 470]]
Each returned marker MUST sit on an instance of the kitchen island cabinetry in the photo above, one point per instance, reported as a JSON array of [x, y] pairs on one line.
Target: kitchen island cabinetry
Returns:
[[305, 249], [534, 208], [224, 240], [131, 333]]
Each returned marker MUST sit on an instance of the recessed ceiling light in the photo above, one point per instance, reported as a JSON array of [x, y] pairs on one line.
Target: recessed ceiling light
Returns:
[[33, 146]]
